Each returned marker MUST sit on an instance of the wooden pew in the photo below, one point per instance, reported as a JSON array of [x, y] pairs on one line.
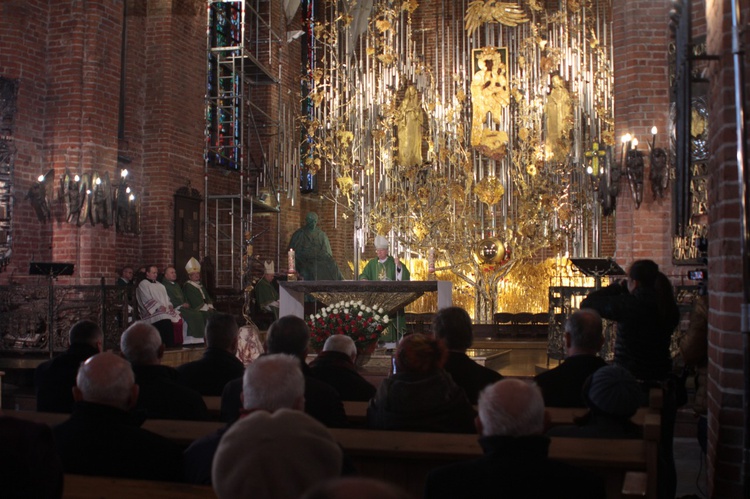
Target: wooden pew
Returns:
[[178, 431], [405, 458], [356, 412], [96, 487], [213, 404]]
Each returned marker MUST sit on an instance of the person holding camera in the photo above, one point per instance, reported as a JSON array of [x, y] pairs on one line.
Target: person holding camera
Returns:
[[646, 313]]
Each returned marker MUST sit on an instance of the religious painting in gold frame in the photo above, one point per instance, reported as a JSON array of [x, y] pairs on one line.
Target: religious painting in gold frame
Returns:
[[480, 53]]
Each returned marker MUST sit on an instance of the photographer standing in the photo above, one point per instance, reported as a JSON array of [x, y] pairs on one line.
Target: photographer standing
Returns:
[[646, 313]]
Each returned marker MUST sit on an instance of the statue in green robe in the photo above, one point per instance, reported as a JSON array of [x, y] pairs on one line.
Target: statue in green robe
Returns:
[[312, 249]]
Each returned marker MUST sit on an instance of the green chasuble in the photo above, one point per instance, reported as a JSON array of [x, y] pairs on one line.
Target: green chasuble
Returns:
[[198, 298], [193, 317], [386, 271], [265, 293]]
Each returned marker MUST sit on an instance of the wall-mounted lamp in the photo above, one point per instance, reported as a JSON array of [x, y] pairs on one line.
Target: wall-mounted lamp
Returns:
[[39, 194], [659, 174]]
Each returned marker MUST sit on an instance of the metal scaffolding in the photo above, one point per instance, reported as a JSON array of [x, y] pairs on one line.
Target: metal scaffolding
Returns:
[[239, 48]]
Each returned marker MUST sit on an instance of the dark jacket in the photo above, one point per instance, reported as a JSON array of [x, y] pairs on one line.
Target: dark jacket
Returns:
[[29, 461], [337, 369], [163, 394], [322, 401], [469, 375], [644, 331], [56, 378], [410, 402], [513, 467], [210, 373], [105, 441], [562, 386], [596, 424]]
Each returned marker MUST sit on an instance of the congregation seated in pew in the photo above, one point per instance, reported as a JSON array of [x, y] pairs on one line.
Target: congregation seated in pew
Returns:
[[270, 383], [274, 455], [335, 366], [562, 386], [613, 396], [219, 364], [103, 436], [515, 462], [29, 460], [163, 393], [54, 380], [290, 335], [453, 326], [420, 396]]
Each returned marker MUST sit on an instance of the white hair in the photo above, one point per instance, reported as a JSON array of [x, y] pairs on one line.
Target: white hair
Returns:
[[273, 382], [106, 385], [340, 343], [140, 343], [511, 407]]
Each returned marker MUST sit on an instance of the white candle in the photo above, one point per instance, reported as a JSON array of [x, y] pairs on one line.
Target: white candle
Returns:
[[291, 261]]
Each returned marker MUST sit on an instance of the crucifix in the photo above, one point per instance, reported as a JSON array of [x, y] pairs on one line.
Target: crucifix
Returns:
[[594, 154]]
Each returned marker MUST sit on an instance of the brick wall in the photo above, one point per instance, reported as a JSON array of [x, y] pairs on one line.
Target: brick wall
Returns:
[[641, 38], [726, 351]]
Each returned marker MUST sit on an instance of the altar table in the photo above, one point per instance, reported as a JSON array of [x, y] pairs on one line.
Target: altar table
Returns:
[[390, 295]]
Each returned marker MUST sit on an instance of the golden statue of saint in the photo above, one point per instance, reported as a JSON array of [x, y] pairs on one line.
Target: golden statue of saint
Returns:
[[489, 95], [558, 113], [409, 120]]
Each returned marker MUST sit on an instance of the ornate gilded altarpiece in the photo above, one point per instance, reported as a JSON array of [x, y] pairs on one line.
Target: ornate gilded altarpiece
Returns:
[[460, 130]]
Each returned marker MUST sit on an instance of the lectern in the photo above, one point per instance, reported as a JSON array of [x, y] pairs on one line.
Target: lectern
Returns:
[[597, 268]]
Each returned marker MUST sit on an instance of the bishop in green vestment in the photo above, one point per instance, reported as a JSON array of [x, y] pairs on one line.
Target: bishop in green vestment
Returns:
[[193, 318], [266, 296], [386, 268], [195, 293]]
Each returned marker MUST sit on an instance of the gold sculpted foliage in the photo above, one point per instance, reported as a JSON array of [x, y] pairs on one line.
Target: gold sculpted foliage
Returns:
[[452, 156]]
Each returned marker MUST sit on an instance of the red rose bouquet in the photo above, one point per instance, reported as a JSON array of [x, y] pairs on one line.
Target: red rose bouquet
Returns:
[[361, 323]]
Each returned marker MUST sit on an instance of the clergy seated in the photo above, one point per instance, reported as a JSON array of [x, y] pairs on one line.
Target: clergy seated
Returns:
[[163, 393], [103, 437], [56, 378], [515, 462], [421, 396], [219, 364], [453, 326], [613, 396], [194, 318], [335, 366]]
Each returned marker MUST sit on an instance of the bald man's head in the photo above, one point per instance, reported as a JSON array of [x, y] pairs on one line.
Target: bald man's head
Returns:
[[106, 379], [141, 344], [511, 407]]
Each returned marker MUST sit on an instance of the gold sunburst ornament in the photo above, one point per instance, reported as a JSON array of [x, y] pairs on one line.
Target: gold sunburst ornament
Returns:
[[489, 190]]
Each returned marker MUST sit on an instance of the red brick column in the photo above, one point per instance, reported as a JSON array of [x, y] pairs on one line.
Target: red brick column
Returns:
[[726, 351]]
